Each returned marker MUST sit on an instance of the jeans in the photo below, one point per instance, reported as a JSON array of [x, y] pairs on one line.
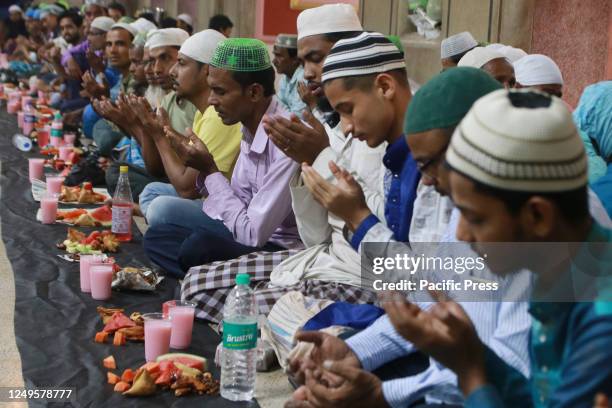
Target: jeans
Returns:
[[161, 204], [177, 248], [106, 137]]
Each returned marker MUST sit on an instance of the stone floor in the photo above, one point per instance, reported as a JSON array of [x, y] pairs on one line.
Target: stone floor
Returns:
[[272, 389]]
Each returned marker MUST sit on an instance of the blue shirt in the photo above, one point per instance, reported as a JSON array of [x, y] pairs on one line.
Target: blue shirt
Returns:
[[570, 351], [401, 183], [288, 92], [603, 188]]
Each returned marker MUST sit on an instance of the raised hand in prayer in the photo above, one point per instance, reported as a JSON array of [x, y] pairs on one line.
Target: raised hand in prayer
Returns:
[[192, 151], [146, 117], [55, 55], [95, 62], [93, 88], [358, 387], [344, 199], [108, 110], [326, 347], [301, 142], [446, 333], [306, 95]]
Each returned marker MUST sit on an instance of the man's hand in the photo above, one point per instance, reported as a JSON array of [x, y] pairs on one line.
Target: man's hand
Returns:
[[73, 118], [95, 62], [358, 388], [146, 117], [108, 110], [601, 401], [306, 95], [326, 347], [192, 151], [344, 199], [55, 55], [446, 333], [93, 88], [300, 142]]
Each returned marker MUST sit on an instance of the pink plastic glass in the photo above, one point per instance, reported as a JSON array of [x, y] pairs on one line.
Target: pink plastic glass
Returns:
[[36, 168], [20, 120], [48, 207], [43, 136], [166, 307], [100, 280], [158, 330], [182, 315], [64, 152], [85, 263], [54, 184]]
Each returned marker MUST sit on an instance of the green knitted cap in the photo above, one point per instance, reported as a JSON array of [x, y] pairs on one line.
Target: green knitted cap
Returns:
[[241, 54], [446, 98]]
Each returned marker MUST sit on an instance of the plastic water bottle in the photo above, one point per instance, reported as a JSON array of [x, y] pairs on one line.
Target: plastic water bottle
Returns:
[[29, 119], [22, 142], [239, 355], [122, 207], [57, 130]]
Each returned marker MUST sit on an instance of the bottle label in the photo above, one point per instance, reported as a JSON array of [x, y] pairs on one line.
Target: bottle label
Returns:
[[122, 220], [29, 118], [56, 132], [239, 336]]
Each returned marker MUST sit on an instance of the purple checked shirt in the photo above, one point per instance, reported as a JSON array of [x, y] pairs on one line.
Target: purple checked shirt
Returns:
[[256, 205]]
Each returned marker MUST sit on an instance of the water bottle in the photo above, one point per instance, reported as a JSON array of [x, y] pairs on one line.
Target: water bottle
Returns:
[[29, 119], [22, 142], [57, 130], [239, 355], [122, 207]]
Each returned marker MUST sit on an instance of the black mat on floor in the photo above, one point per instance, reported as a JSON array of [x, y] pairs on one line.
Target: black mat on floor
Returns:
[[55, 322]]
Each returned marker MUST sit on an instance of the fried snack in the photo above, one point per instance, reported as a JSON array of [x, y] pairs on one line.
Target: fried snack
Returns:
[[135, 333], [86, 220], [202, 384], [110, 243], [75, 235], [69, 194], [136, 317], [143, 385], [106, 313]]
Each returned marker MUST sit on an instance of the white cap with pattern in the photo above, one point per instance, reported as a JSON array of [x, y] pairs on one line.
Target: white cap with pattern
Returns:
[[166, 37], [201, 46], [520, 140], [103, 23], [185, 18], [330, 18], [479, 57], [457, 44]]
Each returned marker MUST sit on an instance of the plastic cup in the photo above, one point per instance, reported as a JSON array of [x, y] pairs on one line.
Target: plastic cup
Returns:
[[43, 136], [85, 263], [100, 280], [182, 314], [36, 168], [20, 120], [166, 307], [158, 330], [54, 184], [48, 207], [64, 152]]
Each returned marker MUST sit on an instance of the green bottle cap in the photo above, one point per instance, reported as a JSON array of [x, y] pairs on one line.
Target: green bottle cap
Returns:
[[243, 279]]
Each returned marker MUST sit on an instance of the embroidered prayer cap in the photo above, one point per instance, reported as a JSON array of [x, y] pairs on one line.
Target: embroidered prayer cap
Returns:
[[537, 69], [368, 53], [512, 54], [185, 18], [286, 41], [166, 37], [446, 98], [144, 26], [128, 27], [326, 19], [520, 140], [201, 46], [242, 55], [457, 44], [478, 57], [103, 23]]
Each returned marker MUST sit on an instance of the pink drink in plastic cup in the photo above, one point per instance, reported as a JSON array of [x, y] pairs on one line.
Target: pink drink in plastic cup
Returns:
[[54, 184], [182, 315], [166, 307], [64, 152], [43, 136], [36, 167], [100, 280], [48, 207], [157, 335], [85, 263], [20, 115]]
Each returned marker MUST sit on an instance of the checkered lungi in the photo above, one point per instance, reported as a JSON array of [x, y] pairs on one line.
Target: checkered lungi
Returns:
[[208, 285]]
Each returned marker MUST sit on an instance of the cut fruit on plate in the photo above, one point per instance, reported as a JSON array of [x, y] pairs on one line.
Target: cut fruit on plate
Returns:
[[190, 360]]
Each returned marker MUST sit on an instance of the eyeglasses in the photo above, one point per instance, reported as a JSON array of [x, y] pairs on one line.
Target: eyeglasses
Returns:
[[428, 164]]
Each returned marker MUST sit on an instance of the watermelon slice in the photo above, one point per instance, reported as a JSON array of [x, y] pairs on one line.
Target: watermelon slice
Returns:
[[190, 360], [118, 321], [70, 215], [103, 214]]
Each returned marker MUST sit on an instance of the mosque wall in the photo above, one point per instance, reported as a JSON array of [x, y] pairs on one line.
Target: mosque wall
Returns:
[[577, 35]]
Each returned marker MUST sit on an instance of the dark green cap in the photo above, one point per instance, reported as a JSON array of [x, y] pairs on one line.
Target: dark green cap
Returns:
[[444, 100], [241, 54]]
